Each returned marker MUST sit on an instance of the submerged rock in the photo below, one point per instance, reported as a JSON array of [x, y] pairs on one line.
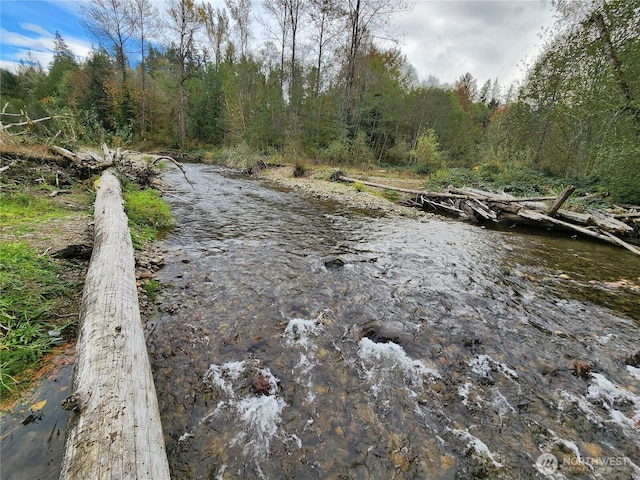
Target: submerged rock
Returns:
[[334, 264], [633, 360], [261, 385], [581, 369]]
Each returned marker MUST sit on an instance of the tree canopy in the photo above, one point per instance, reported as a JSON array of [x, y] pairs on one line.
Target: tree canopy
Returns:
[[323, 86]]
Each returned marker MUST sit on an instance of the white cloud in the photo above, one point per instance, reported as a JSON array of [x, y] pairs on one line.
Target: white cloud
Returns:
[[39, 48], [15, 39], [9, 65], [489, 39], [12, 62], [30, 27]]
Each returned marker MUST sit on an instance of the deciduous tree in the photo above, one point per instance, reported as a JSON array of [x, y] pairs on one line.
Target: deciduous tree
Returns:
[[362, 17], [109, 21], [145, 18], [240, 11], [185, 22], [216, 24]]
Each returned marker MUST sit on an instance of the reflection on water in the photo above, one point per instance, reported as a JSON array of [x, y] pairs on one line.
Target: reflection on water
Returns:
[[301, 340]]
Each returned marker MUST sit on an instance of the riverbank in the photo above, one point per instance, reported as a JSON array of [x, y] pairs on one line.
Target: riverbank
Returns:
[[316, 184], [586, 215], [46, 241]]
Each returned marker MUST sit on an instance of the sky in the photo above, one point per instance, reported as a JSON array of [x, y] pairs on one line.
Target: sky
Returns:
[[441, 38]]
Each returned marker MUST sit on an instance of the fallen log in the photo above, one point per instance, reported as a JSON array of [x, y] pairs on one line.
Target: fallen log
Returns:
[[401, 190], [89, 160], [477, 205], [451, 192], [137, 166], [495, 197], [564, 195], [7, 167], [622, 243], [627, 215], [482, 209], [608, 223], [599, 234], [114, 427], [474, 192], [24, 123], [575, 217], [466, 208], [440, 206]]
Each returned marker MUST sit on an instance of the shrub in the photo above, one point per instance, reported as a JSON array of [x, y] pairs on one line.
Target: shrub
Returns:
[[361, 154], [337, 152], [242, 158], [427, 155], [299, 169], [620, 171]]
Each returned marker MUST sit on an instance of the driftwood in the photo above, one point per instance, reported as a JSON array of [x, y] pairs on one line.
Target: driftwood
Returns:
[[479, 206], [89, 160], [574, 217], [566, 193], [114, 428], [22, 115], [135, 165], [7, 167], [608, 223]]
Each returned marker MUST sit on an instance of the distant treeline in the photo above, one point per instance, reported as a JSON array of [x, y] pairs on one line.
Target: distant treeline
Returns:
[[321, 87]]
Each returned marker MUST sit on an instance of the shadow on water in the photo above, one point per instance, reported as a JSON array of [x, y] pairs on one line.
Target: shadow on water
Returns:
[[298, 339]]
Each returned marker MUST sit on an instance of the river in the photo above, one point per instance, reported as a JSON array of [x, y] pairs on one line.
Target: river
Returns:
[[298, 339], [303, 340]]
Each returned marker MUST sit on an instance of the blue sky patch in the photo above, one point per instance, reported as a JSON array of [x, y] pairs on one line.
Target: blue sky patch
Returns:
[[27, 28]]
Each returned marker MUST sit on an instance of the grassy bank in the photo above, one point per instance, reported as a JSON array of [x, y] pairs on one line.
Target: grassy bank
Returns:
[[33, 291], [40, 287], [148, 214], [40, 293]]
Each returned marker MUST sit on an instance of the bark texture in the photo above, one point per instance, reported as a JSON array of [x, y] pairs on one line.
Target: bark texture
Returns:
[[114, 429]]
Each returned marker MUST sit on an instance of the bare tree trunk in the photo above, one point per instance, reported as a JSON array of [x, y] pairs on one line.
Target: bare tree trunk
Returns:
[[319, 63], [114, 429], [354, 44], [143, 73], [181, 116], [616, 65]]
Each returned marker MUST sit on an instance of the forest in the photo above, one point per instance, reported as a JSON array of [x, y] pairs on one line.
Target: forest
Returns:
[[319, 87]]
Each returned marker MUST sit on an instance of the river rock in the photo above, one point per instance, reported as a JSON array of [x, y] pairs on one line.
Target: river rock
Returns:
[[261, 385], [334, 263], [633, 360], [581, 369]]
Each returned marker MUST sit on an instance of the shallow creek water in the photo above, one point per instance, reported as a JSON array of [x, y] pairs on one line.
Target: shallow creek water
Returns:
[[299, 339], [303, 340]]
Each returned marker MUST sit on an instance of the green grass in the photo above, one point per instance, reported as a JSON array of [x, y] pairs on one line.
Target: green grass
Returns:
[[19, 209], [359, 186], [391, 195], [148, 214], [151, 288], [29, 286]]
